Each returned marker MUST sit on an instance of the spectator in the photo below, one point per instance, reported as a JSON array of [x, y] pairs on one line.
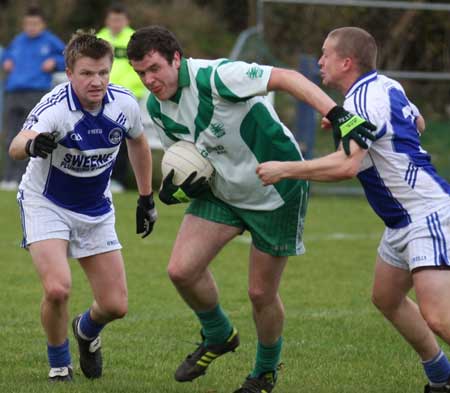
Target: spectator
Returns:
[[118, 32], [28, 62]]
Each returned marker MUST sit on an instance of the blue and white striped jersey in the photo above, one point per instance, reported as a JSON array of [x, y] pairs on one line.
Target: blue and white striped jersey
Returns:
[[400, 183], [76, 175]]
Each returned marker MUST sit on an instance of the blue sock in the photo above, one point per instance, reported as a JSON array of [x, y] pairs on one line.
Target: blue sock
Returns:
[[437, 369], [88, 328], [216, 327], [59, 356]]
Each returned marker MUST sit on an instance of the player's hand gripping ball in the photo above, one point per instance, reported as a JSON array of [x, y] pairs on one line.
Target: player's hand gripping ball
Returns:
[[185, 173]]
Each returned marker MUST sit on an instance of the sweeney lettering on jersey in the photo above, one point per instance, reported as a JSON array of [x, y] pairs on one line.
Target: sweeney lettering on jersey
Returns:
[[83, 163]]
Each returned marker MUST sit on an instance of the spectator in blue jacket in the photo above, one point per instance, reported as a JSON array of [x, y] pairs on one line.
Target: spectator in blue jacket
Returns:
[[28, 62]]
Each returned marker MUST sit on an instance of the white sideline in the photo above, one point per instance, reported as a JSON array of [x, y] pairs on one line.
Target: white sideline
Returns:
[[246, 239]]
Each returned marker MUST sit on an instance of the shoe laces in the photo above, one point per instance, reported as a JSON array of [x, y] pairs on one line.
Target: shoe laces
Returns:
[[198, 352]]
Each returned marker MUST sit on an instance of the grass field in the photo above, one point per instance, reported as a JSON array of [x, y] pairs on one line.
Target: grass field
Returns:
[[335, 340]]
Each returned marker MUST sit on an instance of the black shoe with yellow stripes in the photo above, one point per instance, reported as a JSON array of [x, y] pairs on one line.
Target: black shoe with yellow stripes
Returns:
[[264, 383], [197, 362]]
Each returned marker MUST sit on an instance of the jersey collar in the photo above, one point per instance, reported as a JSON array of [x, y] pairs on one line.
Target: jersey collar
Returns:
[[363, 79], [183, 80], [75, 104]]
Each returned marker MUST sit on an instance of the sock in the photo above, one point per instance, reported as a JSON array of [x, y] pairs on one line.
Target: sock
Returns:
[[216, 327], [437, 369], [267, 358], [59, 356], [87, 328]]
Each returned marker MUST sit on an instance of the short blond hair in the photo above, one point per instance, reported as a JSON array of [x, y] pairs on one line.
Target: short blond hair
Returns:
[[86, 44], [358, 44]]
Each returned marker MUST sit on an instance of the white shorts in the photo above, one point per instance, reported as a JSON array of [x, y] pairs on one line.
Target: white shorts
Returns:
[[41, 220], [421, 244]]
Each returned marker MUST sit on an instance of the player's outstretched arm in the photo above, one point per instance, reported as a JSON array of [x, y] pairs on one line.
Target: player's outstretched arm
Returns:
[[346, 125], [301, 88], [333, 167]]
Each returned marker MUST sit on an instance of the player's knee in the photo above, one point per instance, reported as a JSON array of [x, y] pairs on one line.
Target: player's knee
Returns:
[[260, 298], [383, 302], [57, 293], [377, 300], [439, 325], [179, 276]]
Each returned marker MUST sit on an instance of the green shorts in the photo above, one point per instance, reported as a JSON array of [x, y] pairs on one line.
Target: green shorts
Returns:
[[276, 232]]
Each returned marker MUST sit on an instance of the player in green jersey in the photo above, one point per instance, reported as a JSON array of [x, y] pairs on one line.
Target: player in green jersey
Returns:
[[221, 107]]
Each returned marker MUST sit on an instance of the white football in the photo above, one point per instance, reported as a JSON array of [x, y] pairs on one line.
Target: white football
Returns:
[[184, 158]]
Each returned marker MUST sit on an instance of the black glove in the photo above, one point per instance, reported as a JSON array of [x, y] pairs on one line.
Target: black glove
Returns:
[[42, 145], [146, 215], [347, 126], [171, 194]]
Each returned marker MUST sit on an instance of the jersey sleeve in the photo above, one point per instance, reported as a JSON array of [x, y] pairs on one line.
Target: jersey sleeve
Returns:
[[415, 110], [44, 117], [136, 127], [238, 81]]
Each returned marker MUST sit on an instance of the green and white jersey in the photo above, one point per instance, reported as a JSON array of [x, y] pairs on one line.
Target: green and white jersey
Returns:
[[219, 106]]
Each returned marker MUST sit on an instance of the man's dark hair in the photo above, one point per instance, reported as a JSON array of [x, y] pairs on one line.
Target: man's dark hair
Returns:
[[86, 44], [35, 11], [117, 8], [153, 39]]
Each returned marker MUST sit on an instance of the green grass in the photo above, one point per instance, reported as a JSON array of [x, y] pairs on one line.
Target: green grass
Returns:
[[335, 340], [436, 140]]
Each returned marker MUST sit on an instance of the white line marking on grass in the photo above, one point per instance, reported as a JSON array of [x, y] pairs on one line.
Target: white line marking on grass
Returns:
[[245, 239], [343, 236]]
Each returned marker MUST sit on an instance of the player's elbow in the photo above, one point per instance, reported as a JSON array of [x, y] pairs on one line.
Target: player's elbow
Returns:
[[347, 171], [281, 79], [17, 147], [351, 171], [420, 124], [348, 168], [15, 153]]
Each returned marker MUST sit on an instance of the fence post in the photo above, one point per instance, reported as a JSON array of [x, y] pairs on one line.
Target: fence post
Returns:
[[1, 90], [305, 125]]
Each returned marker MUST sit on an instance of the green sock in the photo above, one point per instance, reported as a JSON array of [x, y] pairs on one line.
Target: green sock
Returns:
[[216, 327], [267, 358]]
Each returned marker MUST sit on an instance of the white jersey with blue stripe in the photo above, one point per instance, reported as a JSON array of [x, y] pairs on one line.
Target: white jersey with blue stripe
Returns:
[[76, 175], [399, 180]]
